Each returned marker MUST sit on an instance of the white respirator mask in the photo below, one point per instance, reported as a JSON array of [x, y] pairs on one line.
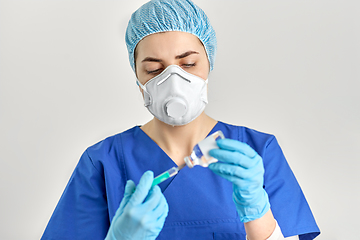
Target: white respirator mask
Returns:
[[175, 96]]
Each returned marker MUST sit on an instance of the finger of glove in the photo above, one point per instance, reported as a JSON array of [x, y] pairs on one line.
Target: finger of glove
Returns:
[[153, 209], [231, 170], [164, 214], [236, 173], [156, 218], [161, 209], [222, 170], [152, 199], [129, 189], [160, 214], [234, 145], [142, 189], [232, 157]]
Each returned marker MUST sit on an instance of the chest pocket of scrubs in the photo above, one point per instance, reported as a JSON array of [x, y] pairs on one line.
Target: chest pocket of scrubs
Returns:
[[229, 236]]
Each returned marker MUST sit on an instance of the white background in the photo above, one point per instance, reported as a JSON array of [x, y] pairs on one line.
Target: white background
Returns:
[[290, 68]]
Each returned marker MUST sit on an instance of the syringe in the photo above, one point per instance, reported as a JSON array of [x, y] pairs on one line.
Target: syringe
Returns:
[[167, 174], [199, 156]]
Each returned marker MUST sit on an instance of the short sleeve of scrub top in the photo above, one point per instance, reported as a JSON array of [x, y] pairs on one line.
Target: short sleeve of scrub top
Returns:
[[200, 202]]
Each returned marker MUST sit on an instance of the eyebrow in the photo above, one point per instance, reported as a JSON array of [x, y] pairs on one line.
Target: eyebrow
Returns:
[[186, 54], [151, 59], [183, 55]]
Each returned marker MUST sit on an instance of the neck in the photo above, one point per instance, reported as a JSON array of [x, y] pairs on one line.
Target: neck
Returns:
[[178, 141]]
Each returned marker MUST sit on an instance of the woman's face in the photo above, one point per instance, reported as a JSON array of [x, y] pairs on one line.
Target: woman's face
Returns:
[[157, 51]]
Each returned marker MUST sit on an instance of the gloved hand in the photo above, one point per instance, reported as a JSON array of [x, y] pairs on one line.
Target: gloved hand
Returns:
[[142, 211], [242, 166]]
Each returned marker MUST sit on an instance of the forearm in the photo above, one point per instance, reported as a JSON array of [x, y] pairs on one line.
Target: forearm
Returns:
[[243, 166], [261, 228], [265, 228]]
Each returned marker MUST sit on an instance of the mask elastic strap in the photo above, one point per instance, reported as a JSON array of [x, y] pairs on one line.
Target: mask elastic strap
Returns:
[[147, 98], [140, 85], [204, 96]]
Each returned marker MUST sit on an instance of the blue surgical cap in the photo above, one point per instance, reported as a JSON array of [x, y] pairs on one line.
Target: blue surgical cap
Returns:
[[170, 15]]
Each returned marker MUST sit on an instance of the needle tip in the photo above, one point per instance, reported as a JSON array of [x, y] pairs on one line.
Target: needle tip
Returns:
[[181, 166]]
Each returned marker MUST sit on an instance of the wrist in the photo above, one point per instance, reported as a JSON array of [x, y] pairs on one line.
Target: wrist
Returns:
[[264, 228], [252, 209]]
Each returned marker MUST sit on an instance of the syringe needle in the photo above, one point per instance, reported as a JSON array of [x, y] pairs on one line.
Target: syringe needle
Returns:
[[181, 166]]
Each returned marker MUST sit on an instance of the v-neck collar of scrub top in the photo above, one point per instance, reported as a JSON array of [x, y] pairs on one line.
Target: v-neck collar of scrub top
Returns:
[[159, 167]]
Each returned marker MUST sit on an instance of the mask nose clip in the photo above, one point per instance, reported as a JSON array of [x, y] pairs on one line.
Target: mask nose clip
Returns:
[[176, 108]]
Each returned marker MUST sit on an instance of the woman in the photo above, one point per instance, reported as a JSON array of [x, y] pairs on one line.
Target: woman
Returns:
[[250, 193]]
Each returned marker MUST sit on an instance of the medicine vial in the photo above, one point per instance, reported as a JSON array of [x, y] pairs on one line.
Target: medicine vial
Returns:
[[200, 154]]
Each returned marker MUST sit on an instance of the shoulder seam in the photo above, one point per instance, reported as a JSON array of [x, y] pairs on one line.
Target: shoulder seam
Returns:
[[239, 134], [272, 138], [92, 162], [121, 156]]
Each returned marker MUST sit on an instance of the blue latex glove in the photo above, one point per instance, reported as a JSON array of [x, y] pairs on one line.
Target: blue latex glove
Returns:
[[242, 166], [142, 211]]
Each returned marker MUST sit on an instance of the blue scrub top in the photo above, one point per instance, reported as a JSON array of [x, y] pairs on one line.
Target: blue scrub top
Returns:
[[200, 202]]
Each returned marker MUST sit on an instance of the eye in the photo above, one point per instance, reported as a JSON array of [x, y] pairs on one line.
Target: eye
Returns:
[[156, 71], [189, 65]]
